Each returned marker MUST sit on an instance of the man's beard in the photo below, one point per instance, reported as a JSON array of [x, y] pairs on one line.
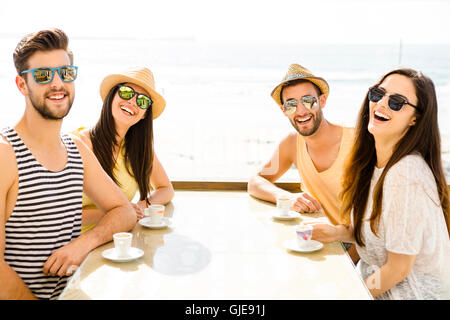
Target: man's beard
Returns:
[[41, 106], [317, 120]]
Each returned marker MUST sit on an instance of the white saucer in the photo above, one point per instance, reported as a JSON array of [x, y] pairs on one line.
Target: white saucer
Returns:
[[147, 222], [291, 215], [313, 246], [133, 254]]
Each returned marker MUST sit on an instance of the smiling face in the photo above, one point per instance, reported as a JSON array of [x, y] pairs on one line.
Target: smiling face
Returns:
[[52, 100], [305, 121], [385, 123], [126, 112]]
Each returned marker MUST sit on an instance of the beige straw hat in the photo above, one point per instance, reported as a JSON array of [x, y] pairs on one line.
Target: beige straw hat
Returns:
[[142, 77], [296, 72]]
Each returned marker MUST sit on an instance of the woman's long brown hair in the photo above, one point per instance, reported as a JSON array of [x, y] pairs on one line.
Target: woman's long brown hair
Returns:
[[422, 138], [138, 146]]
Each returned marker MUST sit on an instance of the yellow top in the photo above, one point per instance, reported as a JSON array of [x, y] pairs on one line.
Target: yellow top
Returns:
[[126, 182], [325, 186]]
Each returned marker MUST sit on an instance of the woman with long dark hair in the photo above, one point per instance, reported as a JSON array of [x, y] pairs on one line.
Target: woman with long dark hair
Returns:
[[122, 141], [395, 192]]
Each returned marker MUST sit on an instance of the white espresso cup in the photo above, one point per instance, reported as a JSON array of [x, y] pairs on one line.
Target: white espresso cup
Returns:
[[304, 234], [122, 243], [283, 205], [155, 212]]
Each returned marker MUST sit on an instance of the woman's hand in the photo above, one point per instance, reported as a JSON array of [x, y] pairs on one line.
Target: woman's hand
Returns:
[[139, 211], [324, 232]]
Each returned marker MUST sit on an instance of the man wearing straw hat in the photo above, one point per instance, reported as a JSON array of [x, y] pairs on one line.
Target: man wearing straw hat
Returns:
[[44, 174], [318, 148]]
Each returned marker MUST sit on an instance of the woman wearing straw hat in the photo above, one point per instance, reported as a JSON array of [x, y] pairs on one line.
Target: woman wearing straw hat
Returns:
[[122, 140]]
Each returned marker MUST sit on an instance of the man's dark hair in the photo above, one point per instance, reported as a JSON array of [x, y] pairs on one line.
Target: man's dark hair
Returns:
[[45, 40]]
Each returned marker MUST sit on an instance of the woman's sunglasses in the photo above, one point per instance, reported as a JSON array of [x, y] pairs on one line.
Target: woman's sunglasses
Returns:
[[126, 93], [395, 102], [45, 75], [291, 105]]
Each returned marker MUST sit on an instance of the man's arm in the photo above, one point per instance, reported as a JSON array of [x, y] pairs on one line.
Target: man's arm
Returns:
[[119, 215], [262, 185], [12, 286]]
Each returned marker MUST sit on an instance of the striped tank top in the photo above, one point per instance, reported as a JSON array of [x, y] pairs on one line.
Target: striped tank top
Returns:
[[46, 216]]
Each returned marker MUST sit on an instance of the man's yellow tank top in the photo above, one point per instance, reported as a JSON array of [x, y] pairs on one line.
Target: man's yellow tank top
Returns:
[[126, 182], [325, 186]]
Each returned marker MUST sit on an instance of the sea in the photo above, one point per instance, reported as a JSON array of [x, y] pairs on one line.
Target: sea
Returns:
[[220, 122]]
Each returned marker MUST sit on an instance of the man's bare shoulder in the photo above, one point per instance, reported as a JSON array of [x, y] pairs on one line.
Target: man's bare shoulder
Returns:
[[8, 162], [281, 160], [288, 145], [6, 150], [290, 139]]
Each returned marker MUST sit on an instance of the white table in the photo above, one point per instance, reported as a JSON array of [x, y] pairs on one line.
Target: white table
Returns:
[[220, 245]]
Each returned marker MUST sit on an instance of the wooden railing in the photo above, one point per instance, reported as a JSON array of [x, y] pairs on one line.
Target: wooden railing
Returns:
[[228, 185]]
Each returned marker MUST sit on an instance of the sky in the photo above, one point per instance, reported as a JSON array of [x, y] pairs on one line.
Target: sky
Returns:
[[237, 21]]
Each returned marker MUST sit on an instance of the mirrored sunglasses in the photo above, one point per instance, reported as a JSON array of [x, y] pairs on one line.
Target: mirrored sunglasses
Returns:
[[290, 106], [126, 93], [45, 75]]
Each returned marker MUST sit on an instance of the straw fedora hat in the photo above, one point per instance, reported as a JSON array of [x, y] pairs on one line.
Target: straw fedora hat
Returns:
[[142, 77], [296, 72]]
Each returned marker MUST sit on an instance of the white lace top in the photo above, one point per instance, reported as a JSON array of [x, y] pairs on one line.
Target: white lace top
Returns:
[[411, 223]]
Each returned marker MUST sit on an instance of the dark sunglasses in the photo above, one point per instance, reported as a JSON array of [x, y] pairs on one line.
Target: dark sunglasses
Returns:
[[291, 105], [45, 75], [395, 102], [126, 93]]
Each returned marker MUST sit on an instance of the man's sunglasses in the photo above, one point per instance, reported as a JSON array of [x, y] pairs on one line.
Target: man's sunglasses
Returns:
[[126, 93], [45, 75], [309, 102], [395, 102]]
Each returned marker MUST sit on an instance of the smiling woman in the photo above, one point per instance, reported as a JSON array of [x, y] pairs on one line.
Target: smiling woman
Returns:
[[122, 140], [391, 119], [395, 190]]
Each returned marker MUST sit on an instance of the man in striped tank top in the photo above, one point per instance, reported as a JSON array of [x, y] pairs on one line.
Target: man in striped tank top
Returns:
[[44, 175]]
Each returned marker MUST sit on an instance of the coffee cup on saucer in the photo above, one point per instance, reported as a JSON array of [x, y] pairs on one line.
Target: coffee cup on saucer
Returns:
[[155, 212], [304, 234], [122, 243], [283, 205]]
